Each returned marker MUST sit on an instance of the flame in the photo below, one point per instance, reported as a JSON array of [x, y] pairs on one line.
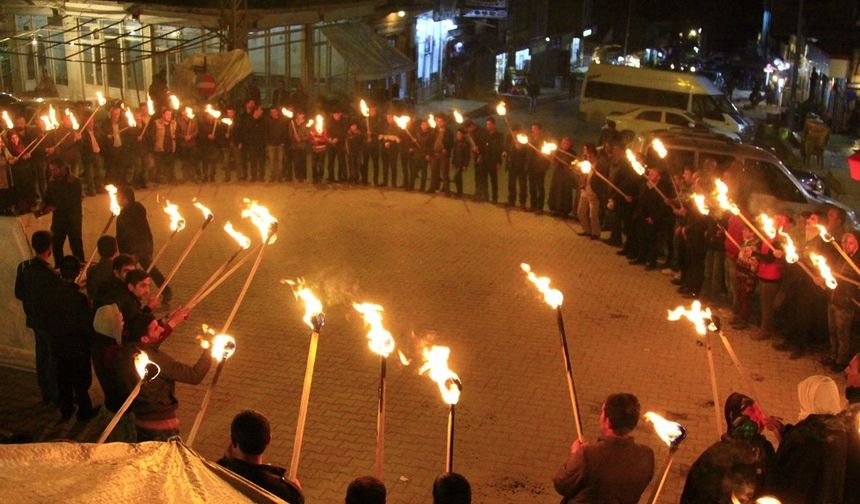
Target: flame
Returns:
[[584, 166], [722, 195], [821, 263], [287, 113], [700, 318], [150, 106], [227, 121], [177, 223], [114, 204], [47, 122], [189, 112], [553, 297], [436, 362], [207, 214], [129, 117], [403, 359], [672, 433], [101, 98], [431, 119], [222, 346], [174, 102], [309, 123], [7, 120], [313, 306], [379, 339], [73, 119], [458, 116], [791, 255], [522, 138], [501, 109], [402, 121], [243, 241], [548, 148], [261, 218], [659, 148], [767, 499], [365, 110], [634, 163], [215, 114], [146, 369], [767, 226], [824, 233], [319, 124], [701, 204]]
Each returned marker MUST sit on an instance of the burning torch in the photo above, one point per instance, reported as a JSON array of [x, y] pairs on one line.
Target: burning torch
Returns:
[[502, 110], [50, 123], [403, 123], [208, 217], [702, 206], [315, 319], [150, 111], [585, 167], [365, 111], [222, 346], [213, 281], [114, 211], [177, 224], [75, 127], [102, 102], [826, 236], [289, 115], [436, 367], [639, 168], [672, 434], [555, 298], [215, 115], [381, 343], [146, 371]]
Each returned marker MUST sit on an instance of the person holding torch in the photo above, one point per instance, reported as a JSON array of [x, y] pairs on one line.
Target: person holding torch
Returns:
[[615, 468], [133, 235]]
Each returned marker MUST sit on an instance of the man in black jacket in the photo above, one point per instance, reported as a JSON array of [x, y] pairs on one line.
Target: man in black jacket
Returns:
[[133, 235], [250, 434], [63, 198], [69, 328], [33, 280], [494, 145], [100, 272], [337, 127], [443, 142]]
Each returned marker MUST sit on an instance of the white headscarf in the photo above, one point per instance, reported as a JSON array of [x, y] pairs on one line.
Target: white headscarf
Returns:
[[818, 395]]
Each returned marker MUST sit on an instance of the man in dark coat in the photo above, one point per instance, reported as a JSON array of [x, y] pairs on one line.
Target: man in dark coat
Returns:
[[34, 278], [615, 468], [443, 141], [100, 272], [250, 434], [69, 328], [133, 235], [337, 127], [537, 165], [63, 198], [494, 144], [516, 154]]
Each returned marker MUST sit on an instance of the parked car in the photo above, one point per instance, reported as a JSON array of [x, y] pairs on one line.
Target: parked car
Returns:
[[766, 181], [7, 99], [644, 120]]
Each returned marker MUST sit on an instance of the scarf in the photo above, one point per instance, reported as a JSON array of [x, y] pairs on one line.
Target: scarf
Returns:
[[818, 395]]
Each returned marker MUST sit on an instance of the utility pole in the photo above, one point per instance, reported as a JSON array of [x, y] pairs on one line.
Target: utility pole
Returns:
[[800, 43]]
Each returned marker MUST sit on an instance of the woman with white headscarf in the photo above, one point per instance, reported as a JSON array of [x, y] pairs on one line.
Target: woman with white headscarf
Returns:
[[810, 462]]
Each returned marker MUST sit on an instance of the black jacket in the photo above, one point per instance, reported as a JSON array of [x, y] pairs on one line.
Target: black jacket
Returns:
[[268, 477], [132, 230], [64, 195], [70, 324], [729, 465], [34, 278]]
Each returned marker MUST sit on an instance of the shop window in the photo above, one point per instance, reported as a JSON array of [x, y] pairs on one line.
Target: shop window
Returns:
[[58, 52]]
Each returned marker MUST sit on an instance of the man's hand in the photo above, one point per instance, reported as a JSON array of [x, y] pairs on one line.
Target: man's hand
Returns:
[[178, 317], [154, 303], [576, 445], [210, 136], [628, 199], [779, 254]]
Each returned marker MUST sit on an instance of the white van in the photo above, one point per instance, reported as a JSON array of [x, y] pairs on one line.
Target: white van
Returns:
[[613, 88]]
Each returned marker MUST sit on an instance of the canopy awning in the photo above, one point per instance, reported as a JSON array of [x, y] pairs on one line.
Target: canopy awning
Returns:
[[368, 55]]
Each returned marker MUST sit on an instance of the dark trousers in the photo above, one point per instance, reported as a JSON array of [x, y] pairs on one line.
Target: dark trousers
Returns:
[[318, 166], [389, 165], [649, 241], [492, 175], [297, 164], [257, 163], [115, 163], [517, 177], [337, 153], [355, 171], [695, 267], [46, 366], [73, 382], [458, 179], [163, 166], [440, 173], [371, 153], [406, 160], [104, 374], [71, 230], [419, 170], [537, 190]]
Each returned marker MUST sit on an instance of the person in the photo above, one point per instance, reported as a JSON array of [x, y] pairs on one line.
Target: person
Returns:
[[355, 140], [100, 272], [91, 158], [162, 137], [23, 175], [211, 142], [460, 157], [365, 490], [443, 142], [533, 89], [371, 148], [622, 175], [591, 188], [452, 488], [254, 146], [155, 406], [133, 235], [841, 307], [233, 155], [281, 95], [739, 463], [112, 289], [136, 297], [390, 138], [650, 216], [69, 328], [811, 460], [850, 416], [158, 89], [561, 183], [318, 140], [615, 468], [337, 127], [254, 91], [65, 145], [477, 137], [494, 143], [63, 199], [34, 278], [423, 156], [275, 133], [771, 264], [114, 152], [298, 158], [537, 165], [250, 435], [516, 153], [746, 272], [187, 137]]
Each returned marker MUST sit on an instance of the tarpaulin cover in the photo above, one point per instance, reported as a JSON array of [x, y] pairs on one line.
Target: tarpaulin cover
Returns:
[[228, 69], [369, 56], [118, 472]]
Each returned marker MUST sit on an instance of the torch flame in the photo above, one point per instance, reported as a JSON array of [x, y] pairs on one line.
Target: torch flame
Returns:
[[584, 166], [215, 114], [722, 195], [767, 226], [222, 346], [659, 148], [129, 117], [101, 98], [553, 297], [177, 223], [174, 102], [207, 214], [73, 119], [403, 359], [146, 369], [791, 255], [365, 110], [150, 106], [701, 204], [261, 218], [436, 362], [114, 204], [402, 121], [672, 433], [431, 120], [824, 269], [313, 306], [309, 123], [548, 148], [7, 120], [634, 162], [189, 113], [458, 116], [243, 241], [522, 138], [287, 112], [47, 122], [767, 499], [824, 233], [501, 109], [700, 318], [319, 124], [379, 339], [227, 121]]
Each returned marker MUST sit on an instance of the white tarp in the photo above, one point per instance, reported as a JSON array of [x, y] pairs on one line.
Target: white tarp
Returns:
[[118, 472], [228, 69]]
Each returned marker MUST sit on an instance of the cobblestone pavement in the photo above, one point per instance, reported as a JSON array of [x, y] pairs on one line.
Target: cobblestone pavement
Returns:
[[447, 271]]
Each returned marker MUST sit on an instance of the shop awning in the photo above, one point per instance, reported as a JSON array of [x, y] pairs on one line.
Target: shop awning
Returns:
[[368, 55]]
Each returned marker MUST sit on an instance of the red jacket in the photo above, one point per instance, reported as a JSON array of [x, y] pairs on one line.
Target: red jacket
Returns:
[[770, 267]]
